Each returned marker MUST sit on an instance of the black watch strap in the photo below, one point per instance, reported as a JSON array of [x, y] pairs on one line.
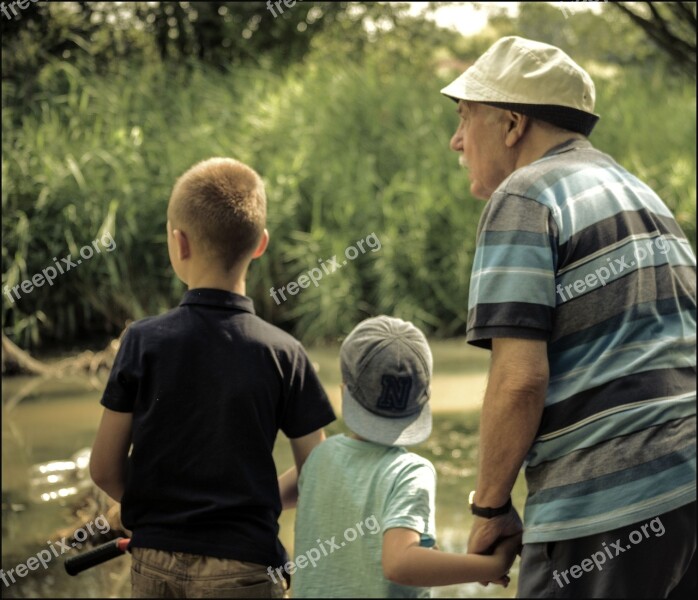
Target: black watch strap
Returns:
[[488, 513]]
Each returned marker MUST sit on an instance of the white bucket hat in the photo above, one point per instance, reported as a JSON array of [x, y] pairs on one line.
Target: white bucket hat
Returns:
[[532, 78]]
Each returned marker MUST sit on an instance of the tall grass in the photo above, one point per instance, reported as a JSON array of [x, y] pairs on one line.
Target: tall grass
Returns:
[[346, 149]]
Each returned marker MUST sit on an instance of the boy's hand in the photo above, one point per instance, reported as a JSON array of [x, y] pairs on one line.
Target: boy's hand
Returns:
[[505, 553], [288, 481], [507, 549], [110, 452]]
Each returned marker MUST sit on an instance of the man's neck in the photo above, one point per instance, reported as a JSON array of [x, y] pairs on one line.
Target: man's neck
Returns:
[[541, 142]]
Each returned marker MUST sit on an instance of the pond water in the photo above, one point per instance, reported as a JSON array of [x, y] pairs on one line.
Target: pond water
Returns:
[[60, 418]]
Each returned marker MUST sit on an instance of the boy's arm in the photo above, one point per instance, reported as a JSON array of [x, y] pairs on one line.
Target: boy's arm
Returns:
[[110, 451], [407, 563], [288, 481]]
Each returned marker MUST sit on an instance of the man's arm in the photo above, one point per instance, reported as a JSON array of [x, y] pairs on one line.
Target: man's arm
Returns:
[[288, 481], [510, 418], [110, 451]]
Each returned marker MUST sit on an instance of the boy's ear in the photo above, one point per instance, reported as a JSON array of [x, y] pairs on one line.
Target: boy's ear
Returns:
[[181, 244], [262, 246]]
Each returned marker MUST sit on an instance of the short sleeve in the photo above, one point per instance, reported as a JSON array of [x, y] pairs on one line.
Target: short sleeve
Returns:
[[512, 286], [307, 407], [411, 503], [122, 385]]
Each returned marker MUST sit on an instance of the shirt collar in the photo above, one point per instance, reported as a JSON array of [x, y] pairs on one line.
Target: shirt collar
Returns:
[[566, 146], [219, 299]]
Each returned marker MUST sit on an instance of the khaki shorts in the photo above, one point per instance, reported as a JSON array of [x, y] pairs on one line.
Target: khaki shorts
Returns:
[[160, 574]]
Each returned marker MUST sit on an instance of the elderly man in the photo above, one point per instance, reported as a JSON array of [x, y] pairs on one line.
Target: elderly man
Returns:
[[583, 287]]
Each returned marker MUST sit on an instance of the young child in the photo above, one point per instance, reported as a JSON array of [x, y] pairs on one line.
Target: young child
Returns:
[[353, 488], [194, 402]]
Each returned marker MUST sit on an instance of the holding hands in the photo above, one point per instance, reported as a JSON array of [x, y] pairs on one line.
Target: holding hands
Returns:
[[500, 537]]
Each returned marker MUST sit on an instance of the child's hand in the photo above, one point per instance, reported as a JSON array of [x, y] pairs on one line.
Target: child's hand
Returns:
[[506, 550], [505, 553]]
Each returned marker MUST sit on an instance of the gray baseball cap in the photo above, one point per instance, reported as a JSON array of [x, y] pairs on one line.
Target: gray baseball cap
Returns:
[[386, 367]]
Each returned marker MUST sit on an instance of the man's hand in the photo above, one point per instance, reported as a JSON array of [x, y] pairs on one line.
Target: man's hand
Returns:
[[485, 533]]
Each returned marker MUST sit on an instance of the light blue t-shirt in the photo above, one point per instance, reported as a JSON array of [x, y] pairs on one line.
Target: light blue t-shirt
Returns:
[[351, 492]]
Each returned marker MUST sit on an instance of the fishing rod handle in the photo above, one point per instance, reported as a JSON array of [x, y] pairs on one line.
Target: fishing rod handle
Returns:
[[96, 556]]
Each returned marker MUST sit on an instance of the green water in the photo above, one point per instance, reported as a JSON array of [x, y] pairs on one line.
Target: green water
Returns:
[[61, 417]]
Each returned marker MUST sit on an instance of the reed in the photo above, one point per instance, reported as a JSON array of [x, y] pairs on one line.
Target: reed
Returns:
[[346, 149]]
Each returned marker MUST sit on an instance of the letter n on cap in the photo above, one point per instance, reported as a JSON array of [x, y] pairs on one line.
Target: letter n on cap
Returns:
[[395, 392]]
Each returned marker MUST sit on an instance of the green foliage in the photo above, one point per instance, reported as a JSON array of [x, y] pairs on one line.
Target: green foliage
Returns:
[[218, 34], [351, 141]]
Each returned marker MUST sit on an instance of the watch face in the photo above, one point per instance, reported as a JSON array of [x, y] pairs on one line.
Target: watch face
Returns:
[[471, 497]]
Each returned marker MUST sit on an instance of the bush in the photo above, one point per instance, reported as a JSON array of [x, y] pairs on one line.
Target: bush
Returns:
[[346, 148]]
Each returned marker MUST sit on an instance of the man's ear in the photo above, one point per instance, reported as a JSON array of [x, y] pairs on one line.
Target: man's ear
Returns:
[[516, 125], [181, 244], [262, 246]]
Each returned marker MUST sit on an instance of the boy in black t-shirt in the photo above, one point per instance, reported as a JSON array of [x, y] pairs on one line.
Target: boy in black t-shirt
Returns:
[[194, 402]]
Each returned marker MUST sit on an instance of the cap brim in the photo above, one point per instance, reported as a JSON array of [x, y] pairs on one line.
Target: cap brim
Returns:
[[406, 431]]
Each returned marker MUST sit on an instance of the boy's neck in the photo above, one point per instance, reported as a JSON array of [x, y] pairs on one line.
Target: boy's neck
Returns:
[[214, 279]]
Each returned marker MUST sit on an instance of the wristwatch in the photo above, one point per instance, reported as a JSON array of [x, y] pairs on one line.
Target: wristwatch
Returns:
[[487, 513]]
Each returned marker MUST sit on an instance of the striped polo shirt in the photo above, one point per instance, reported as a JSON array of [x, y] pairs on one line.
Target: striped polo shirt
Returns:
[[574, 250]]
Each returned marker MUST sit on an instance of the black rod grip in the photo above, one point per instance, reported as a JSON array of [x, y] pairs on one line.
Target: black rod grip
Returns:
[[96, 556]]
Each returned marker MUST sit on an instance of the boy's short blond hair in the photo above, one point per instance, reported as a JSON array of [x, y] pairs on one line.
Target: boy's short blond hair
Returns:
[[221, 204]]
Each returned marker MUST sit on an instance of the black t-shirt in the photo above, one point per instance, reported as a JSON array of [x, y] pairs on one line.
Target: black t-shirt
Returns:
[[210, 384]]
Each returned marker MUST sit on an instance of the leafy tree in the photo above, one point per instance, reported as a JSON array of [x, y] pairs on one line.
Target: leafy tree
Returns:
[[602, 36], [670, 25]]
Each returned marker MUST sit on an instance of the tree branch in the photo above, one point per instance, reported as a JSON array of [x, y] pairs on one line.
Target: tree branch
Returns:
[[657, 28]]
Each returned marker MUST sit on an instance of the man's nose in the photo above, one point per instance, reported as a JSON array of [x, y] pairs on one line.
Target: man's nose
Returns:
[[456, 143]]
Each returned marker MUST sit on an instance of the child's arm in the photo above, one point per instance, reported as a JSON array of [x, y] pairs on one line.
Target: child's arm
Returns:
[[110, 451], [288, 481], [407, 563]]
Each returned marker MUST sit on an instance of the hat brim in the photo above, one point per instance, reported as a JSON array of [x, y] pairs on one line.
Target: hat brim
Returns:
[[466, 87], [405, 431]]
